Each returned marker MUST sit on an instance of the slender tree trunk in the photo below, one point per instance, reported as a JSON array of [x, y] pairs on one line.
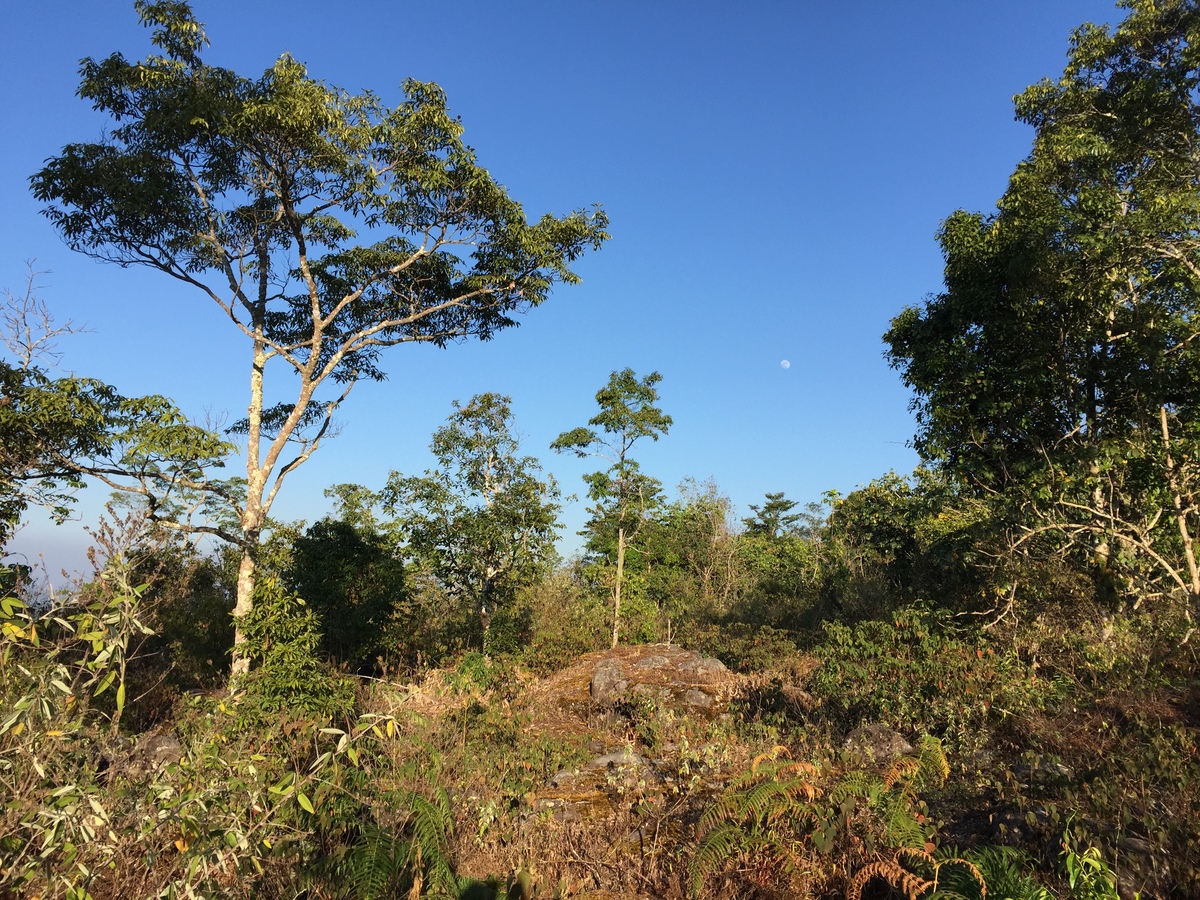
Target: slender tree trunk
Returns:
[[245, 602], [487, 607], [617, 588], [252, 515], [1180, 513]]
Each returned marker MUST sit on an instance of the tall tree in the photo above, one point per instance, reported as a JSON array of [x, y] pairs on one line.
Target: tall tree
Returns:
[[485, 519], [1061, 363], [622, 493], [323, 225]]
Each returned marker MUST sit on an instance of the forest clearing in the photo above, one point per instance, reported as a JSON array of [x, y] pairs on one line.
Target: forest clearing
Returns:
[[975, 680]]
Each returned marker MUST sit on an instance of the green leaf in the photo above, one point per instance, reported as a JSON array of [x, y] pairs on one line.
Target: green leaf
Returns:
[[105, 683]]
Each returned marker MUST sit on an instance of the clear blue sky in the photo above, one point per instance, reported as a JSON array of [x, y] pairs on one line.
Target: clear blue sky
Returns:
[[774, 171]]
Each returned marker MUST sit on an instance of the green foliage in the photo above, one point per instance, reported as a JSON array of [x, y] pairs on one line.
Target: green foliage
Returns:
[[352, 578], [483, 523], [623, 494], [253, 191], [565, 621], [57, 670], [914, 673], [742, 647], [54, 432], [775, 519], [283, 640], [782, 580], [1057, 371], [627, 414], [1142, 781], [192, 598], [684, 561], [1006, 872], [409, 859], [1088, 876]]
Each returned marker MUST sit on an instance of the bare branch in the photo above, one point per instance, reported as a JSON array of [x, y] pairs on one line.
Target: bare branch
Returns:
[[27, 326]]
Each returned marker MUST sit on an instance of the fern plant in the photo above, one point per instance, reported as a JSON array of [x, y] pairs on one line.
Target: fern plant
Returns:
[[765, 814], [914, 873], [410, 861], [1004, 875], [760, 816], [885, 810]]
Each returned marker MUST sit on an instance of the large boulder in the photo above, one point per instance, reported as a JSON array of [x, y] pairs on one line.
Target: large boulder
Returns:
[[671, 676]]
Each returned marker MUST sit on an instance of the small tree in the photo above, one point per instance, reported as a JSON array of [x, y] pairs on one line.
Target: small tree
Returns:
[[774, 518], [484, 521], [622, 493], [324, 226]]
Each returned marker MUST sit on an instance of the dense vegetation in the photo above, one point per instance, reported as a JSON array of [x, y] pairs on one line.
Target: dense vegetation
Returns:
[[399, 711]]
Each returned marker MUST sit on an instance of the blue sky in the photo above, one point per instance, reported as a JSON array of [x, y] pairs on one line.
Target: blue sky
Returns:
[[774, 172]]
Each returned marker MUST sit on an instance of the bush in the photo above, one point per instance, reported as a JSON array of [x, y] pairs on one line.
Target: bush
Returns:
[[915, 674], [742, 647], [283, 640]]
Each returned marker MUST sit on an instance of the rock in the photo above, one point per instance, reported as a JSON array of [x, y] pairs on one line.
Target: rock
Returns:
[[1142, 869], [878, 743], [670, 676], [652, 662], [1044, 771], [151, 753], [608, 684], [624, 757], [704, 669], [575, 795]]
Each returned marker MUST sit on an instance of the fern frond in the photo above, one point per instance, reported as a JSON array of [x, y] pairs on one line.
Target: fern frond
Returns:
[[902, 769], [797, 769], [718, 846], [853, 784], [772, 755], [917, 855], [935, 768], [801, 786], [1001, 871], [764, 802], [958, 879], [376, 863], [974, 873], [908, 883], [729, 807], [903, 829]]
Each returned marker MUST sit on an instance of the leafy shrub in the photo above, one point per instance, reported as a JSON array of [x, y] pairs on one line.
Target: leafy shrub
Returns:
[[914, 674], [283, 640], [353, 579], [742, 647]]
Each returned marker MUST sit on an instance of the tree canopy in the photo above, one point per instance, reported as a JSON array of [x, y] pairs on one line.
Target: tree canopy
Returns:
[[322, 224], [1061, 360], [485, 519]]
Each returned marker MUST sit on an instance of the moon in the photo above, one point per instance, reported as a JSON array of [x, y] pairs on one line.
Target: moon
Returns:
[[784, 364]]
